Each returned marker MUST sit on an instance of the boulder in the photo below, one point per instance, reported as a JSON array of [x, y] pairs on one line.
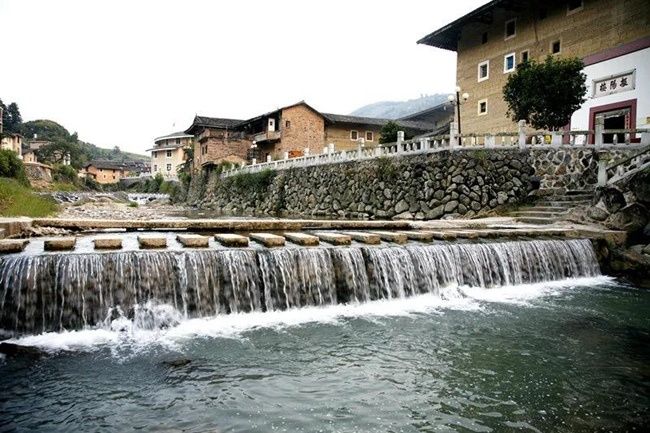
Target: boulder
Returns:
[[631, 218], [612, 199]]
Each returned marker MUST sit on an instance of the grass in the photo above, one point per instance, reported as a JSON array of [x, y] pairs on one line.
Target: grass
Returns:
[[19, 200]]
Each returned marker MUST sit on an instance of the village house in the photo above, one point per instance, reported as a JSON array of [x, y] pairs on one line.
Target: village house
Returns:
[[104, 171], [612, 38], [12, 141], [289, 132], [169, 153], [439, 117]]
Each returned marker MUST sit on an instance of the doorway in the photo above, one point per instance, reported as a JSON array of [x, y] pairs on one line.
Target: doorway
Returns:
[[619, 115]]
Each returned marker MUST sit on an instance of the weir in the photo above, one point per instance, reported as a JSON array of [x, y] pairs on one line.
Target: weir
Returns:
[[54, 292]]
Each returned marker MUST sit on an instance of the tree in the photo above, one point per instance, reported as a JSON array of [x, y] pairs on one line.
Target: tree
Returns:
[[11, 118], [546, 94], [11, 166], [388, 133]]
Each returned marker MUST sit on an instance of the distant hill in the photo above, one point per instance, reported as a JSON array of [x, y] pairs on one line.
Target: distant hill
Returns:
[[80, 151], [397, 109]]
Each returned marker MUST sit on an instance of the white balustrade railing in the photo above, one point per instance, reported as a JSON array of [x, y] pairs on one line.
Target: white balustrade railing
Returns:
[[598, 138]]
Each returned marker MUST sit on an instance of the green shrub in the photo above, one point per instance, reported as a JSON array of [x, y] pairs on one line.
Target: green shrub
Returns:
[[11, 166], [386, 170], [18, 200], [64, 173], [133, 204], [259, 181]]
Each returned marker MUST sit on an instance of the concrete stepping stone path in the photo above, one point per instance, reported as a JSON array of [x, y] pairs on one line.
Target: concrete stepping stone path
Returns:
[[60, 244], [366, 238], [152, 242], [193, 241], [395, 237], [108, 243], [231, 240], [8, 246], [334, 238], [267, 239], [302, 239]]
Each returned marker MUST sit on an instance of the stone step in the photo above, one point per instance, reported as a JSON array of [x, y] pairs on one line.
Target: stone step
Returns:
[[267, 239], [546, 209], [334, 238], [366, 238], [536, 220], [419, 236], [533, 213], [60, 244], [302, 239], [442, 235], [465, 234], [108, 243], [231, 240], [8, 246], [193, 241], [565, 204], [152, 242], [569, 198], [395, 237]]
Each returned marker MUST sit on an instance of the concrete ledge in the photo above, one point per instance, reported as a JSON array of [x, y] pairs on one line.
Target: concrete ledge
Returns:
[[267, 239], [8, 246], [15, 226], [465, 234], [193, 241], [396, 237], [334, 238], [60, 244], [442, 235], [108, 243], [366, 238], [231, 240], [302, 239], [148, 242]]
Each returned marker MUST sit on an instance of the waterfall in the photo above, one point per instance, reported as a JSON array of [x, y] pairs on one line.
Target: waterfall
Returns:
[[52, 292]]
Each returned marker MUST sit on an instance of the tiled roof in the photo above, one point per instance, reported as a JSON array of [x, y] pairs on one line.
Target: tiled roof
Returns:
[[339, 118], [173, 135], [111, 165], [212, 122]]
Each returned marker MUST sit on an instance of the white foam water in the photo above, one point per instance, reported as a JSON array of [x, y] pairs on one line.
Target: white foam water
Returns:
[[139, 335]]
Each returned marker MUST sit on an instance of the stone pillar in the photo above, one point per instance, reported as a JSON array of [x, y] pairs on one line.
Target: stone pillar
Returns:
[[306, 151], [286, 155], [268, 158], [599, 126], [645, 138], [453, 134], [602, 172], [400, 140], [556, 138], [521, 129], [253, 161], [330, 148], [489, 140]]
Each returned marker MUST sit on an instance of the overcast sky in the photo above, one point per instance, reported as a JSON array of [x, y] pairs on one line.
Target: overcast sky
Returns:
[[123, 72]]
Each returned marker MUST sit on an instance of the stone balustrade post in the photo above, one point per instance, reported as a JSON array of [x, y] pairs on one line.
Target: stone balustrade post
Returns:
[[268, 158], [400, 140], [286, 155], [453, 134], [602, 172], [556, 138], [599, 126], [330, 147], [645, 138], [253, 161], [489, 140], [521, 129], [306, 151]]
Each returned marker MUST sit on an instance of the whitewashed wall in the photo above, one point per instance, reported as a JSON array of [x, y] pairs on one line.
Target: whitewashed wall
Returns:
[[639, 60]]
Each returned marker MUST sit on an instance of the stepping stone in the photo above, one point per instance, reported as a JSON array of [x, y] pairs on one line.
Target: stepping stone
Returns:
[[366, 238], [267, 239], [193, 241], [108, 243], [231, 240], [60, 244], [147, 242], [8, 246], [419, 236], [302, 239], [334, 238], [442, 235], [466, 234], [396, 237]]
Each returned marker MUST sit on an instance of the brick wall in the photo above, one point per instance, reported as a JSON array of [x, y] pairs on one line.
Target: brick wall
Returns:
[[305, 130], [216, 145], [599, 25]]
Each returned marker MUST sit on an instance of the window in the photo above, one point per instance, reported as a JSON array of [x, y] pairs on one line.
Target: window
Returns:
[[178, 141], [369, 136], [511, 28], [482, 107], [484, 38], [155, 167], [573, 6], [555, 47], [169, 167], [354, 135], [484, 70], [524, 56], [169, 154], [287, 124], [508, 63]]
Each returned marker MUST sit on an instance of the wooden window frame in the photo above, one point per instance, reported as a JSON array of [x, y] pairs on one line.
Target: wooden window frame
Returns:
[[514, 62], [355, 132], [372, 136]]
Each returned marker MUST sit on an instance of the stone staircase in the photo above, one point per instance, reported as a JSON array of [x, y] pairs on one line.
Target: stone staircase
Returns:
[[553, 208]]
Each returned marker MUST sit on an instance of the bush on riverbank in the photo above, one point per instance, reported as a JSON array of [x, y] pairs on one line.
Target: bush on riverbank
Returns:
[[18, 200], [11, 166]]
